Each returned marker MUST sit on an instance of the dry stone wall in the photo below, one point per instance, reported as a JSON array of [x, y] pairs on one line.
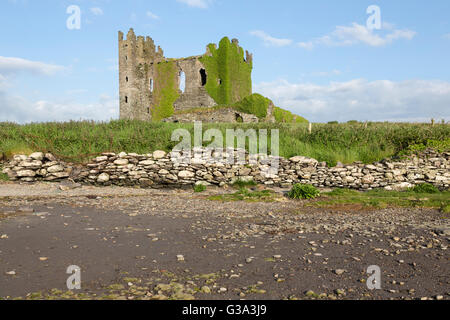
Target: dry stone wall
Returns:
[[159, 169]]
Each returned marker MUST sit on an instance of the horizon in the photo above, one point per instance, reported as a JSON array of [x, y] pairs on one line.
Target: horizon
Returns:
[[318, 60]]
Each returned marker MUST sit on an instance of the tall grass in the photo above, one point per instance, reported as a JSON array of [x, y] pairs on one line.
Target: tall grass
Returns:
[[79, 141]]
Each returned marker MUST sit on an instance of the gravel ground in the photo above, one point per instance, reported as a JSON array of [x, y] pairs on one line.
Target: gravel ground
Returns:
[[176, 244]]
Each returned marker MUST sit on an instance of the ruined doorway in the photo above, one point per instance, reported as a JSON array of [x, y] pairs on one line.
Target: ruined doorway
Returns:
[[204, 77]]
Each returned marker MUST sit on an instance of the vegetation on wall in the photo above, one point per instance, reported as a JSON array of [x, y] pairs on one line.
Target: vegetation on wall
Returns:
[[165, 90], [285, 116], [229, 75], [255, 104]]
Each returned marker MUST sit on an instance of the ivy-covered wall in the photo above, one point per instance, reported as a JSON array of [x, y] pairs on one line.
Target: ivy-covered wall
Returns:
[[165, 91], [229, 75]]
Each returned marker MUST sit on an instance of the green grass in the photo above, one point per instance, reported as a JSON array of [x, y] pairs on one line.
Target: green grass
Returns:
[[80, 141], [382, 199], [247, 195], [3, 176], [303, 191], [239, 184], [199, 188]]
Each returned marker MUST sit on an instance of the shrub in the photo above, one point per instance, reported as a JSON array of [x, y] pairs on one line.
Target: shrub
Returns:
[[425, 188], [303, 191], [199, 188]]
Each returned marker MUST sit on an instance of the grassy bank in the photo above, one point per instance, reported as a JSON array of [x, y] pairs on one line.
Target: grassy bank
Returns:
[[79, 141]]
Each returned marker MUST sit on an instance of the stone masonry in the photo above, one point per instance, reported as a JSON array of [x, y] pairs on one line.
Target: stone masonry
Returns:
[[138, 58], [158, 169]]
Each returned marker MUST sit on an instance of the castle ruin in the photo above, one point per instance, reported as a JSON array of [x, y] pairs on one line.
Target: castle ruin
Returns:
[[151, 84]]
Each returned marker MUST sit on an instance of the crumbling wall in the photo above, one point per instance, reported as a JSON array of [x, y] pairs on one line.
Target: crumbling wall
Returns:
[[150, 83], [229, 73], [137, 58]]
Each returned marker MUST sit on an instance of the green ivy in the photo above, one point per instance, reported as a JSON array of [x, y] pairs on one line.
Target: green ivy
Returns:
[[229, 75], [165, 90], [255, 104]]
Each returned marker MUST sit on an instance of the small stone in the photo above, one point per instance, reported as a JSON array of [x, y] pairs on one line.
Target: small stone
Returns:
[[25, 210], [4, 236], [186, 174], [277, 256], [206, 289], [439, 297], [121, 162], [43, 258], [223, 290], [158, 154], [340, 292], [310, 293], [55, 168], [180, 257], [11, 273], [339, 271], [104, 177]]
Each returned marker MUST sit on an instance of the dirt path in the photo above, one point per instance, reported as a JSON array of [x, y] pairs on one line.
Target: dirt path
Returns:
[[158, 244]]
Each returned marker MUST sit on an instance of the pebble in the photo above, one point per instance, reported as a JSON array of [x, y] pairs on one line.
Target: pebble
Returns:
[[339, 271]]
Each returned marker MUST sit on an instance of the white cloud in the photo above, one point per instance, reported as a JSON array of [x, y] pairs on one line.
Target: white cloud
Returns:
[[203, 4], [12, 65], [356, 34], [359, 99], [151, 15], [97, 11], [447, 36], [20, 110], [271, 41]]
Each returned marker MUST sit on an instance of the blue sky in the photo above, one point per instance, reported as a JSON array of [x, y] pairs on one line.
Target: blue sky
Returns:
[[316, 58]]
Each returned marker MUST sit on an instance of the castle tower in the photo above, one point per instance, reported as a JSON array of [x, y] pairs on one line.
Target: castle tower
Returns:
[[137, 57]]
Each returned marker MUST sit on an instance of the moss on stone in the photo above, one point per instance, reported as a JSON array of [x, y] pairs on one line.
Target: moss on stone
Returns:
[[255, 104], [229, 75], [165, 90], [285, 116]]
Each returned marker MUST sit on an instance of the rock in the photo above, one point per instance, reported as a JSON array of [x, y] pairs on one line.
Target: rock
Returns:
[[101, 159], [104, 177], [202, 183], [339, 271], [26, 173], [180, 257], [206, 289], [401, 186], [121, 162], [186, 174], [37, 156], [69, 185], [50, 157], [147, 162], [159, 154], [55, 168], [368, 179], [304, 160]]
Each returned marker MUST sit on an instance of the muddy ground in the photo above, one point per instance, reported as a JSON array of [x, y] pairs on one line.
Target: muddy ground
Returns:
[[177, 244]]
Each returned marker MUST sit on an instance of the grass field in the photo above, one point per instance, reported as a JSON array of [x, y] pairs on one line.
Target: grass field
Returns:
[[345, 198], [349, 142]]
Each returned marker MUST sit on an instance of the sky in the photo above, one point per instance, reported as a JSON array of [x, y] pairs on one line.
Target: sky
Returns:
[[325, 60]]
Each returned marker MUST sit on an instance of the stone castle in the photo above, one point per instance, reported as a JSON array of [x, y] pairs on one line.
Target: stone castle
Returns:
[[151, 85]]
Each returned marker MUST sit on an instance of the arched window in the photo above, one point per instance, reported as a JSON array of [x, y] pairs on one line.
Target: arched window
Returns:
[[126, 99], [126, 79], [182, 81]]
